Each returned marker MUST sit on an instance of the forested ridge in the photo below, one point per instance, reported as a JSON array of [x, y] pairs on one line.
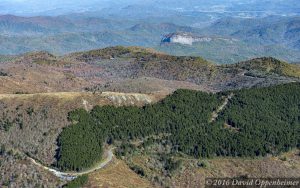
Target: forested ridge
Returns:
[[255, 122], [268, 120]]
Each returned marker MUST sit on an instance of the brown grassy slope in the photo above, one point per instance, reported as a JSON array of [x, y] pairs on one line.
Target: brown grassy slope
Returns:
[[117, 175], [145, 63], [193, 172], [149, 63], [42, 72], [268, 167], [37, 73], [150, 59], [146, 85]]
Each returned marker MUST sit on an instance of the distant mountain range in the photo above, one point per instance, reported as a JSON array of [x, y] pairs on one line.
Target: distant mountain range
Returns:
[[226, 40], [239, 38], [264, 31], [147, 7]]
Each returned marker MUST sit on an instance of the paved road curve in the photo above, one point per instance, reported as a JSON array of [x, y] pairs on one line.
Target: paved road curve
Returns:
[[72, 175]]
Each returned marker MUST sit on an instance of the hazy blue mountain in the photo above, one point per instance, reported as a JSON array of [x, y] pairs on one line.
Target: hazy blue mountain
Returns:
[[46, 25], [260, 31], [257, 28], [223, 49], [270, 36], [56, 7]]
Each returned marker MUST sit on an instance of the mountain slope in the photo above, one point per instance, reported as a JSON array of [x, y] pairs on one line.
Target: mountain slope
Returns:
[[235, 39], [144, 68], [38, 90], [222, 50], [271, 65], [264, 31]]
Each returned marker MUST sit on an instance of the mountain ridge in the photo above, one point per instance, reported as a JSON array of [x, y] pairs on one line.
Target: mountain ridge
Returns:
[[134, 69], [70, 33]]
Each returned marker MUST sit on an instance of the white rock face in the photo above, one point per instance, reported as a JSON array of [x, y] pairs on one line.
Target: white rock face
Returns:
[[188, 39], [182, 39]]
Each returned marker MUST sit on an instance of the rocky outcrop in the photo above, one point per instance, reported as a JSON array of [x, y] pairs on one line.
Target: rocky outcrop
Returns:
[[188, 38]]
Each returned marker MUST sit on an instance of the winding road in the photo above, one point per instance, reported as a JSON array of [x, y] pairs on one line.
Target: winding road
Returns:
[[72, 175]]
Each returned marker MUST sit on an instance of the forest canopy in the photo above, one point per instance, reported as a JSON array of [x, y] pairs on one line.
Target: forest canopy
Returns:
[[255, 122]]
